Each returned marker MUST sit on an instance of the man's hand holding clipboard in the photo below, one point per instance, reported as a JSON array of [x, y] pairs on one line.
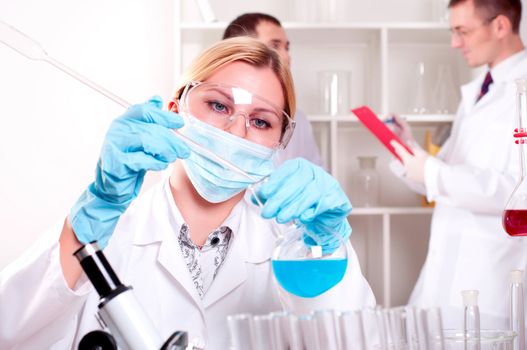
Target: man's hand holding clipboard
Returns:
[[413, 158], [379, 129]]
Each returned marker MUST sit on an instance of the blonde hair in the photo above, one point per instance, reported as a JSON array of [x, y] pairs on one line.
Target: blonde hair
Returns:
[[244, 49]]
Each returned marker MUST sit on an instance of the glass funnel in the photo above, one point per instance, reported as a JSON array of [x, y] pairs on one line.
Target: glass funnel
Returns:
[[515, 213], [306, 263]]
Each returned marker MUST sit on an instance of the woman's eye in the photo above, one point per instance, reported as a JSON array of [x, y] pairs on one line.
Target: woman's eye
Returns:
[[261, 123], [218, 107]]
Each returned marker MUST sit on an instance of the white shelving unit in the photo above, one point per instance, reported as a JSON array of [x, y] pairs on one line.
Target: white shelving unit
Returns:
[[382, 56]]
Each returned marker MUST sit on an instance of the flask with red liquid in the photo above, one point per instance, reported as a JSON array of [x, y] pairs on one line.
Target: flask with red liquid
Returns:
[[515, 213]]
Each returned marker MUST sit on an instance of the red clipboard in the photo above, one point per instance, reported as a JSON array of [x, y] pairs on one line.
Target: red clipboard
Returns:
[[378, 129]]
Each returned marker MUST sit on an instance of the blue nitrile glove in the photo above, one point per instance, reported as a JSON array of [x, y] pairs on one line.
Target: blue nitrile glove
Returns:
[[139, 140], [301, 190]]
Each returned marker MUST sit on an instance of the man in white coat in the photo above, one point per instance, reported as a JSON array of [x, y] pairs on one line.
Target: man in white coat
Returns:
[[475, 172], [269, 30]]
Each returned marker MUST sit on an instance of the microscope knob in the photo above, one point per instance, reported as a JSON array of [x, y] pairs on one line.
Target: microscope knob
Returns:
[[98, 340]]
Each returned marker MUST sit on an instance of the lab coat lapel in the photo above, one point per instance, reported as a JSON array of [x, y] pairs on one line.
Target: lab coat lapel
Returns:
[[232, 273], [161, 225], [171, 258], [469, 93], [252, 244]]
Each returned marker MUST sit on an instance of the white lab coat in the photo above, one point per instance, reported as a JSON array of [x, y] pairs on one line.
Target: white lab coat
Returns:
[[471, 180], [39, 311], [302, 143]]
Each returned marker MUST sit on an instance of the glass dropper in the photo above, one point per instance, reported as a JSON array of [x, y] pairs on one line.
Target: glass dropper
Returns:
[[31, 49]]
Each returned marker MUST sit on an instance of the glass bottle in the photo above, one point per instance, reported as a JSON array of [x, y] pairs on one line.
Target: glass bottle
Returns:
[[517, 314], [515, 213], [471, 325], [365, 183]]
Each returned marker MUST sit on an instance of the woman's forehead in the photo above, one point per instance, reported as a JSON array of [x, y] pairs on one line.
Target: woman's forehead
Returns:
[[261, 81]]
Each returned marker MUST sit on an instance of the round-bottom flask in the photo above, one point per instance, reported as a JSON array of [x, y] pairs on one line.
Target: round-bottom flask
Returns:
[[306, 263], [305, 268]]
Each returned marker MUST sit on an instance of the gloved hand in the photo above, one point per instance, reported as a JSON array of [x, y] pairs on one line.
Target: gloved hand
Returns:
[[402, 129], [301, 190], [139, 140], [414, 164]]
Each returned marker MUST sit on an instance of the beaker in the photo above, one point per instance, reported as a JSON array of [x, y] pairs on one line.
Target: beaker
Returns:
[[334, 92], [445, 91], [515, 213], [419, 100], [365, 183], [306, 263]]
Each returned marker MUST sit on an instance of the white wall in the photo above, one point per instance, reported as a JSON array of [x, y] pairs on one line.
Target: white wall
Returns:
[[52, 126]]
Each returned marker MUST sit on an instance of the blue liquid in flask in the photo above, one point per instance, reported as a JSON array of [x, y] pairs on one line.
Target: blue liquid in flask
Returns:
[[309, 278]]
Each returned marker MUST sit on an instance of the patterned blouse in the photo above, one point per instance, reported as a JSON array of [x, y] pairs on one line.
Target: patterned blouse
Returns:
[[204, 262]]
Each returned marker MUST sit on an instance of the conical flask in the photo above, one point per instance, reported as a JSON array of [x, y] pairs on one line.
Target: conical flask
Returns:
[[306, 263], [515, 213]]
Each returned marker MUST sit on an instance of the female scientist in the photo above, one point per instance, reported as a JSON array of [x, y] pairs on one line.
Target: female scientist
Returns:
[[194, 249]]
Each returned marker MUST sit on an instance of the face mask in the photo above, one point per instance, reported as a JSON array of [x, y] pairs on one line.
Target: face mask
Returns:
[[213, 181]]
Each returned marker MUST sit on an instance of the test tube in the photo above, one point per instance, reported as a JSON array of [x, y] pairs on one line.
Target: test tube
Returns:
[[351, 330], [279, 331], [328, 336], [294, 332], [240, 331], [375, 334], [309, 332], [395, 328], [261, 332], [517, 316], [435, 329], [471, 325], [414, 328]]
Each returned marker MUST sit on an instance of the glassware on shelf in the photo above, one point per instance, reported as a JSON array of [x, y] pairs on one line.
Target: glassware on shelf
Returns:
[[334, 92], [445, 91], [306, 263], [440, 11], [328, 10], [419, 100], [515, 213], [365, 183]]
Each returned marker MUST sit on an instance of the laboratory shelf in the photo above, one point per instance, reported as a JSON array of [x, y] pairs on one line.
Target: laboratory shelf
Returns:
[[391, 211], [411, 118], [328, 25]]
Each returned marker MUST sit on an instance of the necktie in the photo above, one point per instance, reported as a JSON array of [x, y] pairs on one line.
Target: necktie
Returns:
[[485, 86]]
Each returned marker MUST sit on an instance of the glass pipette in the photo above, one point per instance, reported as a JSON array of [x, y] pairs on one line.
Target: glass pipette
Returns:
[[30, 48]]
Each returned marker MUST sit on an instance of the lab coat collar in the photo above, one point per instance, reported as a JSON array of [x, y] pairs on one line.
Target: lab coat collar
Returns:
[[504, 71], [252, 242]]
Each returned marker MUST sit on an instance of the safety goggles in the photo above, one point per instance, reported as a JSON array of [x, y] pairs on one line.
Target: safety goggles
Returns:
[[220, 105]]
